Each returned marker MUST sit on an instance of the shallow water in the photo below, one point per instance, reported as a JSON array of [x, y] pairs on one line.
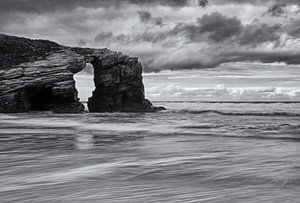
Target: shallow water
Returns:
[[193, 152]]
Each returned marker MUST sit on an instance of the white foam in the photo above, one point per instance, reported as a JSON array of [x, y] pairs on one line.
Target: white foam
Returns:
[[239, 81]]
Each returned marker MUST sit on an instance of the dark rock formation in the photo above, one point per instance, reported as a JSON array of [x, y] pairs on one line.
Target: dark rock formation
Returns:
[[37, 75]]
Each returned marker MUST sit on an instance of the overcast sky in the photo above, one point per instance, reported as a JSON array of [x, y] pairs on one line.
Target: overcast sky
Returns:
[[165, 34]]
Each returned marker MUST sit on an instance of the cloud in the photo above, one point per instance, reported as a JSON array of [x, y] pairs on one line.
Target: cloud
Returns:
[[146, 17], [158, 21], [219, 26], [103, 36], [277, 10], [151, 37], [294, 29], [207, 42], [256, 34], [255, 2], [81, 42], [40, 6], [214, 56], [165, 34], [295, 32], [215, 25], [203, 3], [287, 57], [173, 3]]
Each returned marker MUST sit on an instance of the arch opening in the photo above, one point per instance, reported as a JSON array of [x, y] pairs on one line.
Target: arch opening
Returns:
[[84, 83]]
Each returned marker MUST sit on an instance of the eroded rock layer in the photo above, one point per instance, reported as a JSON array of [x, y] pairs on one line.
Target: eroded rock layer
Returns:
[[37, 75]]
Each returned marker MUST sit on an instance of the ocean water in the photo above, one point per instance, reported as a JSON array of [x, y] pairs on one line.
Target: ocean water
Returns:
[[228, 82], [234, 149], [192, 152]]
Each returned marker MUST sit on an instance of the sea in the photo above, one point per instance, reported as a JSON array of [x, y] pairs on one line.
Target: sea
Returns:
[[210, 145]]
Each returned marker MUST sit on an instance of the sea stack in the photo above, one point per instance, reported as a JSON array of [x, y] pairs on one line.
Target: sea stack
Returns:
[[37, 75]]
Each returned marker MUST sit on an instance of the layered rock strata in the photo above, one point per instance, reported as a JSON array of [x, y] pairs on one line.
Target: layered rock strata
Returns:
[[37, 75]]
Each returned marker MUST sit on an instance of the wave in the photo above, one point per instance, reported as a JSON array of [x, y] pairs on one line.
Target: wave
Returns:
[[273, 114], [225, 102], [239, 136]]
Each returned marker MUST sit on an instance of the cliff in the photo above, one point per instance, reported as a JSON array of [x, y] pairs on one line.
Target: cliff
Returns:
[[37, 75]]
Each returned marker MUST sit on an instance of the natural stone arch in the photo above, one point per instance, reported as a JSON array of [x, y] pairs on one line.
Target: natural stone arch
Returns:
[[39, 76]]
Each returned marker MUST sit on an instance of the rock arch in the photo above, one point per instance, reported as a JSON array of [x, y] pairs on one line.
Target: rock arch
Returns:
[[38, 75]]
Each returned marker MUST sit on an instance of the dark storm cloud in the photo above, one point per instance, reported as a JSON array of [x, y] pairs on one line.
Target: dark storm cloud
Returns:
[[175, 3], [158, 21], [277, 10], [146, 17], [203, 3], [238, 56], [264, 57], [255, 2], [295, 32], [256, 34], [39, 6], [294, 29], [186, 38], [217, 26]]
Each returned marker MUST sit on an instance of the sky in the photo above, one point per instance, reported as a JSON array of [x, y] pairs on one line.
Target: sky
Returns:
[[165, 34]]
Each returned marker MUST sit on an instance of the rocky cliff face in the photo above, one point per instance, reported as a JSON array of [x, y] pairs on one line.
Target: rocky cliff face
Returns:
[[37, 75]]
